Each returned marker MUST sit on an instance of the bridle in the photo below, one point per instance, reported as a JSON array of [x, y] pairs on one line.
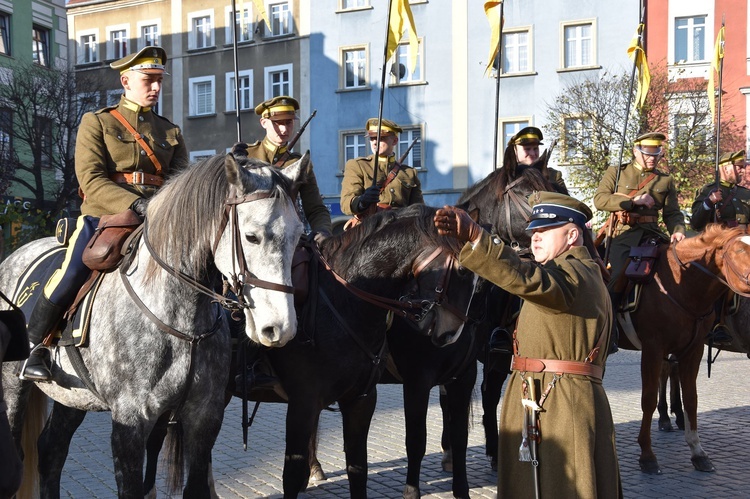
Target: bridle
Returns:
[[729, 264], [523, 207]]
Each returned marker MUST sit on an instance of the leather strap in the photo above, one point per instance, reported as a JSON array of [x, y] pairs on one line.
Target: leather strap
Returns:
[[391, 175], [137, 178], [526, 364], [138, 138]]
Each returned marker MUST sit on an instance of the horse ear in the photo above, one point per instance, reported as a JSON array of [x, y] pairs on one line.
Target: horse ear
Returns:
[[297, 172], [235, 173]]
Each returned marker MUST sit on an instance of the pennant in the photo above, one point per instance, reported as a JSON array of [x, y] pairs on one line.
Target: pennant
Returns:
[[401, 20], [261, 8], [492, 11], [638, 56], [715, 67]]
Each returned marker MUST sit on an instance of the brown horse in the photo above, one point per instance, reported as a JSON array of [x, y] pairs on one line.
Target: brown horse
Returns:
[[674, 313]]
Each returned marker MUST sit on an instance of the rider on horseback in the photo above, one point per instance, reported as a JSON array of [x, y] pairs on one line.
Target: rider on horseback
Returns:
[[523, 149], [123, 154], [727, 204]]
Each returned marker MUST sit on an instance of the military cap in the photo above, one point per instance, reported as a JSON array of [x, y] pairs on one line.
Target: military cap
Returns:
[[148, 60], [551, 208], [387, 127], [528, 135], [731, 157], [653, 139], [282, 107]]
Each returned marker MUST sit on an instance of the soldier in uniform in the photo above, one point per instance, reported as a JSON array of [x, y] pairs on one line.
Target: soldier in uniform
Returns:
[[642, 192], [278, 118], [115, 172], [523, 149], [398, 184], [729, 205], [565, 319]]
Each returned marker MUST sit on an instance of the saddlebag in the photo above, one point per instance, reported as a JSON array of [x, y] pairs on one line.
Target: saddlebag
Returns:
[[104, 251], [641, 263]]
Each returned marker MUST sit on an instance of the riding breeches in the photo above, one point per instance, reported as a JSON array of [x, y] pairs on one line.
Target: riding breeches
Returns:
[[62, 287]]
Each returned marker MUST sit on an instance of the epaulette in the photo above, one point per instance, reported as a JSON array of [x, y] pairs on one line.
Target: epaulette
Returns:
[[254, 144], [105, 109]]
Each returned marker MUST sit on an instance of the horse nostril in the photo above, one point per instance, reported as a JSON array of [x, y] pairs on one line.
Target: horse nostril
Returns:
[[269, 333]]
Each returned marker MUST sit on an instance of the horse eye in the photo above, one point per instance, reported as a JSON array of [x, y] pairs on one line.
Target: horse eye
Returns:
[[462, 271], [252, 239]]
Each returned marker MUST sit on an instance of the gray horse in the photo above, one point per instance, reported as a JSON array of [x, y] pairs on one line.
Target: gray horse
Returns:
[[159, 341]]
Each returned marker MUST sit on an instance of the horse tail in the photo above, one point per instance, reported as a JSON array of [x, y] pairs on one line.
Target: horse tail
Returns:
[[174, 458], [34, 419]]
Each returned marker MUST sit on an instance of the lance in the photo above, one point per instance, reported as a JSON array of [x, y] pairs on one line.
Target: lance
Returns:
[[612, 221], [499, 60], [236, 72], [718, 117]]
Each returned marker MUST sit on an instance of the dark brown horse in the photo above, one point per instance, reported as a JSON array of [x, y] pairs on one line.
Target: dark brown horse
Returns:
[[673, 315]]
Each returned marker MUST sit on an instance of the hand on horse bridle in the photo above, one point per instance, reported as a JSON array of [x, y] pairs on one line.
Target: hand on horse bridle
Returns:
[[455, 222]]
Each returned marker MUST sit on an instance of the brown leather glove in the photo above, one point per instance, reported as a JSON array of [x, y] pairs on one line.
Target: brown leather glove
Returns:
[[455, 222]]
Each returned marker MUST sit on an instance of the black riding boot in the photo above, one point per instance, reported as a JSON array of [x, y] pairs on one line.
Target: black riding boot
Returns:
[[43, 318], [719, 336], [256, 372]]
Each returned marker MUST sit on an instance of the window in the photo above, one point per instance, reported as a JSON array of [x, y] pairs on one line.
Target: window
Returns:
[[43, 129], [406, 137], [196, 156], [577, 137], [117, 48], [280, 18], [690, 39], [516, 52], [691, 129], [149, 34], [578, 45], [40, 46], [354, 4], [246, 90], [278, 81], [4, 33], [355, 145], [6, 133], [202, 96], [510, 128], [87, 48], [201, 30], [355, 67], [242, 23], [400, 72]]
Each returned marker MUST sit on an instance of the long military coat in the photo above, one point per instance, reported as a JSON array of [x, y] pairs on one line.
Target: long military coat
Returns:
[[735, 205], [565, 310], [661, 188], [105, 147], [315, 211], [404, 190]]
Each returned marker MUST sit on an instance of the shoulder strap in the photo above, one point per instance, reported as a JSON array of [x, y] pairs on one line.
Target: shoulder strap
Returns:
[[391, 175], [138, 138], [641, 185]]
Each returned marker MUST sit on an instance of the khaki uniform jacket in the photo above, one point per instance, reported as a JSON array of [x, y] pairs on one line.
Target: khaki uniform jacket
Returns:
[[735, 206], [661, 188], [566, 309], [104, 147], [316, 212], [556, 177], [404, 190]]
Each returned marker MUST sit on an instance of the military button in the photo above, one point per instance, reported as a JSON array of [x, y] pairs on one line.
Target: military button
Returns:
[[119, 137], [143, 153], [495, 240], [140, 118], [393, 190]]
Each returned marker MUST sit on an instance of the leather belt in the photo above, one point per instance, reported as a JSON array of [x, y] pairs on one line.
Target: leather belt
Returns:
[[628, 218], [137, 178], [526, 364]]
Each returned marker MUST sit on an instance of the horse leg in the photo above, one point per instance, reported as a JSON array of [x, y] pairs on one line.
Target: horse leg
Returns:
[[675, 399], [301, 422], [665, 423], [128, 449], [445, 436], [416, 401], [153, 448], [688, 375], [651, 362], [458, 396], [199, 435], [316, 470], [357, 416], [53, 446], [495, 373]]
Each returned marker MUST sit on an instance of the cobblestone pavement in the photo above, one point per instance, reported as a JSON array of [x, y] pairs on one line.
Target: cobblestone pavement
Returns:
[[724, 424]]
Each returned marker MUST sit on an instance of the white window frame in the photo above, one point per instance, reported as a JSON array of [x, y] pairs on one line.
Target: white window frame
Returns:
[[192, 33], [81, 59], [593, 55], [402, 57], [690, 35], [363, 4], [514, 33], [268, 85], [245, 35], [5, 40], [193, 105], [343, 51], [145, 24], [407, 135], [230, 97], [359, 148], [518, 122], [285, 28], [111, 52], [196, 156]]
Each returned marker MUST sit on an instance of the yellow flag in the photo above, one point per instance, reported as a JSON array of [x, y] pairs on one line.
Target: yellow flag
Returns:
[[261, 8], [401, 19], [715, 66], [638, 56], [492, 11]]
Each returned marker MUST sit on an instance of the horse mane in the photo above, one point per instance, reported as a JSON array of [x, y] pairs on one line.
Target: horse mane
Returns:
[[715, 235], [395, 228], [495, 184], [184, 215]]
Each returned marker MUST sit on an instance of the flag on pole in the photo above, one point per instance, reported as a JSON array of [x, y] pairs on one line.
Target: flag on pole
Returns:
[[261, 8], [492, 11], [638, 56], [715, 67], [401, 20]]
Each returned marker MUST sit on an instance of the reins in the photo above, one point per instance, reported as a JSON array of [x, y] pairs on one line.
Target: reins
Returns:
[[728, 262], [523, 208]]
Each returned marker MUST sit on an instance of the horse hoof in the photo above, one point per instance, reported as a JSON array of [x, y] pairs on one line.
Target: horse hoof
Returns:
[[447, 462], [317, 474], [702, 463], [493, 463], [650, 467], [411, 492], [665, 425]]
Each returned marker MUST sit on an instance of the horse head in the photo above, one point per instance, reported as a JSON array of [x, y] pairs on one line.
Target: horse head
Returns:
[[736, 263]]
